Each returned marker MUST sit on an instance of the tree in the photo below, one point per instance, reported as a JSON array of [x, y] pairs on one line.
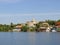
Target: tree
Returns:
[[38, 26], [50, 22], [58, 20], [25, 28], [11, 26]]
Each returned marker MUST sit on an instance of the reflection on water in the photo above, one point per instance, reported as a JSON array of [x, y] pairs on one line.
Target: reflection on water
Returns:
[[32, 38], [29, 38]]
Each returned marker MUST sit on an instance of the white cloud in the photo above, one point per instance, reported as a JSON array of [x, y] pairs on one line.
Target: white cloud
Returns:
[[10, 1]]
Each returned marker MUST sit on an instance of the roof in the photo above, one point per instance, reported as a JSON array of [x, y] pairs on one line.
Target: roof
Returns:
[[57, 23]]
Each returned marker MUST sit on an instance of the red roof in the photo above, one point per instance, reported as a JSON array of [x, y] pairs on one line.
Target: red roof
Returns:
[[57, 23]]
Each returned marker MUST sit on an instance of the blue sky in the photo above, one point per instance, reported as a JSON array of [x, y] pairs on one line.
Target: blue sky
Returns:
[[18, 11]]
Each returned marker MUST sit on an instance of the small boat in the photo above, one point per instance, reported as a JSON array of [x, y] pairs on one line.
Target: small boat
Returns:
[[53, 30]]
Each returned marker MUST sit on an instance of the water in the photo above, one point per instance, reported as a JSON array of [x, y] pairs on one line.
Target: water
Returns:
[[29, 38]]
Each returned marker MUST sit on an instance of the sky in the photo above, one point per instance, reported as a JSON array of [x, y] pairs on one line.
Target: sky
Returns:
[[20, 11]]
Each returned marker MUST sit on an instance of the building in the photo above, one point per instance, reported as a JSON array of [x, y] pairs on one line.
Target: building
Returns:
[[58, 26], [31, 23], [44, 27], [17, 28]]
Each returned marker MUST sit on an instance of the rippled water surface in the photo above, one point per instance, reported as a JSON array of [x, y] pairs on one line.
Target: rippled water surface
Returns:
[[29, 38]]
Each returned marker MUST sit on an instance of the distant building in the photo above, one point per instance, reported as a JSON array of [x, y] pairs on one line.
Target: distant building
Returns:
[[57, 24], [44, 27], [32, 23], [17, 28]]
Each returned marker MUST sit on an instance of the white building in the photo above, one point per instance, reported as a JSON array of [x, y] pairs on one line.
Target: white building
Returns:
[[32, 23], [16, 30]]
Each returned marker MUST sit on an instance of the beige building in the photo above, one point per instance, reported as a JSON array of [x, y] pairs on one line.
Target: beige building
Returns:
[[32, 23], [44, 27], [17, 28]]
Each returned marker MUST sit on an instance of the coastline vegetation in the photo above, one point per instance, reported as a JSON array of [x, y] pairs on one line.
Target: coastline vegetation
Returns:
[[9, 28]]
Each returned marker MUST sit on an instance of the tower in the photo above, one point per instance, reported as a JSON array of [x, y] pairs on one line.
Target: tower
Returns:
[[34, 21]]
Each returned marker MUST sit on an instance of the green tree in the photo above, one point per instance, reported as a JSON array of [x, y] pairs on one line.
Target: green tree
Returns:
[[50, 22], [58, 20], [25, 28]]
